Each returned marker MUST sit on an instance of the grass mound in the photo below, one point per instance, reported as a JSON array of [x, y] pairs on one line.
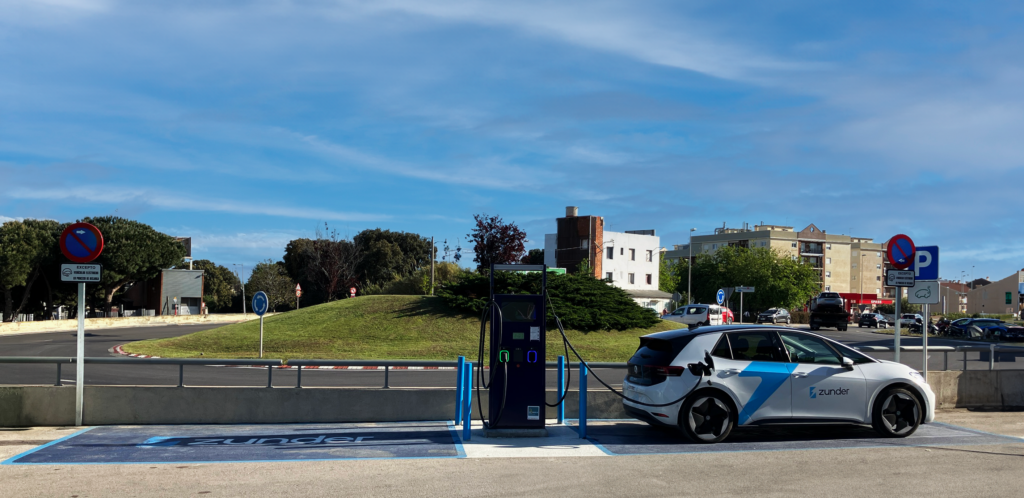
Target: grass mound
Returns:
[[375, 327]]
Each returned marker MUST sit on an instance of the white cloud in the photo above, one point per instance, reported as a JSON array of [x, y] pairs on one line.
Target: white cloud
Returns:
[[108, 194], [5, 219]]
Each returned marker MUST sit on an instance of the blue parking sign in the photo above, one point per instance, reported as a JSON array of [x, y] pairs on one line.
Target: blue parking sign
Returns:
[[926, 263]]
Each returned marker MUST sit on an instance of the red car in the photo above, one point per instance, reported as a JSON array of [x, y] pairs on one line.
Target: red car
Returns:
[[727, 316]]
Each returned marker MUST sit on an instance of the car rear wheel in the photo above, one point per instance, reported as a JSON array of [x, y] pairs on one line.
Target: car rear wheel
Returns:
[[706, 417], [897, 413]]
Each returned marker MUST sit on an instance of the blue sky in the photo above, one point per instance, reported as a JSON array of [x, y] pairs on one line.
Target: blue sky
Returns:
[[247, 124]]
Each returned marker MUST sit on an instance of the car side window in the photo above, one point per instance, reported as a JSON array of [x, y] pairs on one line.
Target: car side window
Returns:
[[722, 349], [755, 346], [807, 349]]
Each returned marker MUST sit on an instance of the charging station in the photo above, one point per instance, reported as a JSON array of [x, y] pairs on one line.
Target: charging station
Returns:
[[517, 359]]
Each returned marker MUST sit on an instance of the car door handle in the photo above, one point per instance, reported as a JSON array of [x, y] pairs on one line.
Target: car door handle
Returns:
[[731, 370], [799, 375]]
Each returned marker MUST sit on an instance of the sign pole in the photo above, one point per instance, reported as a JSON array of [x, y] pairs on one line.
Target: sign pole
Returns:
[[896, 338], [924, 342], [80, 367], [741, 306], [261, 337]]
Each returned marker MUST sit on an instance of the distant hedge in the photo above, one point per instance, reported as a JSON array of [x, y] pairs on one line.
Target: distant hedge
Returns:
[[582, 302]]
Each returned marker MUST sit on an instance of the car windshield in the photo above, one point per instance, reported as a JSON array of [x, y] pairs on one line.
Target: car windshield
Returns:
[[908, 316], [831, 295], [771, 311], [696, 310]]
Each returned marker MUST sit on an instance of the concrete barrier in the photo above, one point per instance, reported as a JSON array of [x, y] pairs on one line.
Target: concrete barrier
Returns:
[[23, 406], [131, 321]]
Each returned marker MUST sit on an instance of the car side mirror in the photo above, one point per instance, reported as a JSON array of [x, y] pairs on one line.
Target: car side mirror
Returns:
[[847, 363]]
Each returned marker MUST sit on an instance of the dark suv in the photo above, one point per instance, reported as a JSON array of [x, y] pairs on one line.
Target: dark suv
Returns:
[[875, 320], [775, 315]]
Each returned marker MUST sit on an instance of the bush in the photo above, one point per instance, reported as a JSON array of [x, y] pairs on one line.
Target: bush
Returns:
[[581, 301], [955, 316], [800, 316]]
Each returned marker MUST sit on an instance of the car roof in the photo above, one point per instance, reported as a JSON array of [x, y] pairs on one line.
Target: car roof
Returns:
[[673, 334]]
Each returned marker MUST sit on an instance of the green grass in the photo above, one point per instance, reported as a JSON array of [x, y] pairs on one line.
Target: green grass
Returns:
[[375, 327]]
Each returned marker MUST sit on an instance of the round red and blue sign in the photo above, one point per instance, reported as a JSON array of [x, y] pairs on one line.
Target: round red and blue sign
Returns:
[[81, 242], [901, 251]]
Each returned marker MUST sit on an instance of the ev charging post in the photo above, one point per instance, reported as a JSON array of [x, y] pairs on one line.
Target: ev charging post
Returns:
[[260, 303], [81, 243]]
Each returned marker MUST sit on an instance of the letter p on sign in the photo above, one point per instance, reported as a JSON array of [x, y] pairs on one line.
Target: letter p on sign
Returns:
[[926, 263]]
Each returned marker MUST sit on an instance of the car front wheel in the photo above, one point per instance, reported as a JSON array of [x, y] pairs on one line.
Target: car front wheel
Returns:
[[706, 418], [897, 413]]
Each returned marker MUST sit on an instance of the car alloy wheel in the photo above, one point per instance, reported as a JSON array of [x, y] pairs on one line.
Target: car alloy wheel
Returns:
[[708, 418], [898, 414]]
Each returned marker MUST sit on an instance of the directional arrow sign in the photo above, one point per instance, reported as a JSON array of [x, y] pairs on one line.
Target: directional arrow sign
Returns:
[[720, 296], [260, 303]]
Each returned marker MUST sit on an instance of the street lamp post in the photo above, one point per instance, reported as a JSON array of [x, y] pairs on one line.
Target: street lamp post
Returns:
[[861, 298], [240, 282], [689, 271]]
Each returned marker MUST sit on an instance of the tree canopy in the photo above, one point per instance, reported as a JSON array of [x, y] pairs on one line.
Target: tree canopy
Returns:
[[496, 242], [777, 280], [272, 278]]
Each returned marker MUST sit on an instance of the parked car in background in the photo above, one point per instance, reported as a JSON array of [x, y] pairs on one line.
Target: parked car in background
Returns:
[[828, 300], [876, 320], [978, 328], [728, 316], [695, 315], [775, 315], [1014, 333], [911, 320]]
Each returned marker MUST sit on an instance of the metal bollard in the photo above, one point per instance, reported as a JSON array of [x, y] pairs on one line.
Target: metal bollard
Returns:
[[298, 378], [181, 375], [945, 360], [583, 401], [467, 407], [965, 360], [991, 357], [270, 376], [561, 389], [386, 386], [58, 384], [458, 388]]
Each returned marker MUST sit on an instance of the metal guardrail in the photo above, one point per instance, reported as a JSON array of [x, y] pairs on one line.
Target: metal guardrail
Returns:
[[387, 364], [181, 362], [992, 349]]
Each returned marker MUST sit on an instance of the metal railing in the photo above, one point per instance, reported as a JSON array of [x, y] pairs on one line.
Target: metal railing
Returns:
[[387, 364], [181, 362], [992, 349]]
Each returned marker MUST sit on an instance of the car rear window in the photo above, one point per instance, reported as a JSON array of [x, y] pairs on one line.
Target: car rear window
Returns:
[[696, 310], [654, 352]]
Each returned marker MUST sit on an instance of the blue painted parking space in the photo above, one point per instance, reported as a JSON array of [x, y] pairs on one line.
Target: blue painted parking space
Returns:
[[638, 438], [248, 443]]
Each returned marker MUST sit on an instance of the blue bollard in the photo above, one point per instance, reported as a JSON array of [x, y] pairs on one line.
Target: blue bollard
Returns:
[[561, 388], [583, 401], [467, 407], [458, 388]]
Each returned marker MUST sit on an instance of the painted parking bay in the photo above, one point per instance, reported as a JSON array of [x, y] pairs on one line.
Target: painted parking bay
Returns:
[[637, 438], [248, 443]]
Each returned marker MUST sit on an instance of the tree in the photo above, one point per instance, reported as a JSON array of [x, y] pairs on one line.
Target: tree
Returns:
[[534, 257], [296, 263], [669, 275], [132, 251], [272, 278], [16, 254], [495, 242], [778, 280], [219, 284], [387, 255], [331, 262]]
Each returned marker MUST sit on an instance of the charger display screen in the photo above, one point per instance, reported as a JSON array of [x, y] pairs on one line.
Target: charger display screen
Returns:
[[518, 336]]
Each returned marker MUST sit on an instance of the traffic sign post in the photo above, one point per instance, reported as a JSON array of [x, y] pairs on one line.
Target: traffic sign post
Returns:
[[81, 243], [298, 294], [925, 291], [260, 304], [351, 292], [720, 296], [901, 252], [742, 291]]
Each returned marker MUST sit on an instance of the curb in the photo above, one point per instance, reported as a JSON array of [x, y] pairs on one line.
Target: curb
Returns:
[[120, 350]]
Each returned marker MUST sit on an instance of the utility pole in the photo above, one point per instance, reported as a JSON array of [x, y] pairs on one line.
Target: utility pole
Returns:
[[243, 289], [689, 271], [431, 265]]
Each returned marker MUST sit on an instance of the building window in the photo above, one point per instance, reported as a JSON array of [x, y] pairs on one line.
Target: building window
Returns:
[[828, 274], [828, 261], [611, 253], [878, 279], [854, 277], [855, 266], [650, 279], [650, 256], [828, 287], [622, 251], [714, 246], [878, 291], [878, 267], [608, 276], [632, 278], [794, 244], [878, 255], [584, 244], [828, 246], [762, 243], [632, 254]]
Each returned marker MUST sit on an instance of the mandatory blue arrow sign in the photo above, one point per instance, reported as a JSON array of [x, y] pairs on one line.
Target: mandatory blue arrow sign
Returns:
[[260, 303], [720, 296]]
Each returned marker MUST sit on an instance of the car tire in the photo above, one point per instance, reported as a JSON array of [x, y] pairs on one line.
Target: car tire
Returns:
[[896, 413], [860, 325], [707, 417], [774, 321], [728, 321]]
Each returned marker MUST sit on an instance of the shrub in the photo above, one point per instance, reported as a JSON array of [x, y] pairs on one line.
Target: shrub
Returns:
[[581, 301], [800, 316]]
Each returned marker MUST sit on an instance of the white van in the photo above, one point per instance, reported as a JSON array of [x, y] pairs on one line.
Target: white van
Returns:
[[695, 315]]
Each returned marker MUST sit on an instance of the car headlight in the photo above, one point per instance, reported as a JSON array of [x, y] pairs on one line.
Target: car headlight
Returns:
[[914, 374]]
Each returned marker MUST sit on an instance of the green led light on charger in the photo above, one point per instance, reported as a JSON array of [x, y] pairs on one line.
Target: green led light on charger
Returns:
[[503, 356]]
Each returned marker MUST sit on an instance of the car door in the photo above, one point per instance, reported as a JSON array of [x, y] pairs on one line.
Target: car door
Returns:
[[756, 374], [822, 387]]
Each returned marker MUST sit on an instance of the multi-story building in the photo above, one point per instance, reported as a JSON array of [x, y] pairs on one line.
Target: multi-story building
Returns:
[[851, 266], [952, 297], [1003, 296], [629, 260]]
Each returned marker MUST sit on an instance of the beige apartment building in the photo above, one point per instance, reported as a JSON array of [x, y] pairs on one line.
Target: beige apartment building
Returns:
[[853, 266], [1003, 296]]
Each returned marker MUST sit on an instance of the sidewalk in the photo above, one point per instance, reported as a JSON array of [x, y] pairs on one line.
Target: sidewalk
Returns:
[[132, 321]]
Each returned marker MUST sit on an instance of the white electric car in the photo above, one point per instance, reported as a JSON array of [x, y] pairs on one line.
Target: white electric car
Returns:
[[751, 375]]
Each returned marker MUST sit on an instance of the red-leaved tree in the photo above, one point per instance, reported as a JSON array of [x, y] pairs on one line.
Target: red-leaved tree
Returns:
[[496, 242]]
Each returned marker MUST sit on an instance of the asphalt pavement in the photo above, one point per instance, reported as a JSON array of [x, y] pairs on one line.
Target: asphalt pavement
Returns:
[[100, 343]]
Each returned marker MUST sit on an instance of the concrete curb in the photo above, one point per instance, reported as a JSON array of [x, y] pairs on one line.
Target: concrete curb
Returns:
[[123, 322]]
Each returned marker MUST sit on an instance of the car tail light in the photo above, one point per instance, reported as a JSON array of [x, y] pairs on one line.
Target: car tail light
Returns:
[[667, 371]]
